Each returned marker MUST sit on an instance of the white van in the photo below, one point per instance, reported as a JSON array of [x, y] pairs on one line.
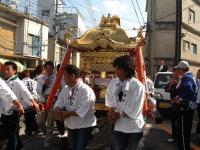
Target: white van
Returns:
[[161, 80]]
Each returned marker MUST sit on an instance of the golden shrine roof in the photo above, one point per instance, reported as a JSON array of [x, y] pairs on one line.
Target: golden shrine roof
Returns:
[[107, 36]]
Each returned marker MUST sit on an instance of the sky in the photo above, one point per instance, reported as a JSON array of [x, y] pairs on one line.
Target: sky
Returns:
[[122, 8], [92, 11]]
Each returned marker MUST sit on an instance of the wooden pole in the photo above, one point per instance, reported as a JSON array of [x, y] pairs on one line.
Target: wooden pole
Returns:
[[141, 73]]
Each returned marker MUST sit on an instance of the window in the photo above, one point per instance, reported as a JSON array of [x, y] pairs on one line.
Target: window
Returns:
[[33, 45], [29, 45], [186, 45], [36, 45], [194, 48], [46, 12], [162, 80], [191, 16]]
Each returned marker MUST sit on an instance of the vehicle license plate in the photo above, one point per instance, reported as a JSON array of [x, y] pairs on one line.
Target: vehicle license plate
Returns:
[[100, 106], [164, 105]]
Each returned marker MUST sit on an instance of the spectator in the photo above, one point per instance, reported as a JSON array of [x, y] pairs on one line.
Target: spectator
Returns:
[[44, 85], [150, 84], [162, 67], [171, 88], [198, 100], [186, 99]]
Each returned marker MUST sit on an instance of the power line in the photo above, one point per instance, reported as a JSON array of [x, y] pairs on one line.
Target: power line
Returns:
[[90, 11], [136, 12], [140, 10], [102, 12], [84, 6]]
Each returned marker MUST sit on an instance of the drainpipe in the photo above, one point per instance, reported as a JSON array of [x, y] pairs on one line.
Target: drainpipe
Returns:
[[178, 31]]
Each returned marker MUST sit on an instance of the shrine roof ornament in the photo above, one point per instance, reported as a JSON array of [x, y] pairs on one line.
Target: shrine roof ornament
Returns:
[[108, 36]]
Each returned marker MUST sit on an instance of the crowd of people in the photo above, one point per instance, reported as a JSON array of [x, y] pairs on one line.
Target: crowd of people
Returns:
[[74, 102], [185, 98]]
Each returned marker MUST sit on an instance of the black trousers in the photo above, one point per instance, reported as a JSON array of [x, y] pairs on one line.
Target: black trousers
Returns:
[[175, 111], [79, 138], [30, 120], [9, 129], [60, 126], [184, 126]]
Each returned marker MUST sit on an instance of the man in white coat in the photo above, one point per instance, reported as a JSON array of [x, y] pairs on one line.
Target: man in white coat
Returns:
[[30, 114], [10, 110], [20, 90], [78, 100], [44, 85], [125, 98]]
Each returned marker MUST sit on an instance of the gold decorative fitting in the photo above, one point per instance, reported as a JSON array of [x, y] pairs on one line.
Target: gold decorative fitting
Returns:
[[109, 36]]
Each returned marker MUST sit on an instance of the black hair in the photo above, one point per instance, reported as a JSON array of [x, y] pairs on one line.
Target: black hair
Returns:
[[58, 67], [50, 63], [11, 63], [23, 73], [39, 69], [72, 69], [126, 63]]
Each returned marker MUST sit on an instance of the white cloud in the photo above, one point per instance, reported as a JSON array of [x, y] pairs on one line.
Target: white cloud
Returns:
[[115, 7], [95, 8]]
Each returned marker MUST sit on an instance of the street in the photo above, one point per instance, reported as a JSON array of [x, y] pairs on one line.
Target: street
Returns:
[[155, 138]]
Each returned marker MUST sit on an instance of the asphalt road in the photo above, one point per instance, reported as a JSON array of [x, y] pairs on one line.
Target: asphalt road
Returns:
[[155, 138]]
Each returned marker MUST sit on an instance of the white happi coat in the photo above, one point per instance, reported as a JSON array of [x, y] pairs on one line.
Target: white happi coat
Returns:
[[40, 82], [80, 99], [6, 99], [31, 86], [131, 104], [150, 86], [20, 90], [37, 77]]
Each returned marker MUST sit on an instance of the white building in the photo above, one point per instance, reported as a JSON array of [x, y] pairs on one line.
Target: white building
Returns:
[[47, 10], [71, 24], [22, 38], [58, 25]]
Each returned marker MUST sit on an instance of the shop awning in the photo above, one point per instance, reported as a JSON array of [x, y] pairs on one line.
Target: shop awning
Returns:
[[20, 66]]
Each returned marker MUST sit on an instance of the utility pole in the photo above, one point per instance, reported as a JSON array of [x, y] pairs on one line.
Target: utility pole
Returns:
[[55, 29], [178, 31]]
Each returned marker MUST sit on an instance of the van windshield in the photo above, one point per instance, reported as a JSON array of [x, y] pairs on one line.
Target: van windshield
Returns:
[[162, 80]]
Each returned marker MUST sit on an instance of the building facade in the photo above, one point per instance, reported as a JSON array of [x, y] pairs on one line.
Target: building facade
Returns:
[[172, 33], [60, 20], [22, 37]]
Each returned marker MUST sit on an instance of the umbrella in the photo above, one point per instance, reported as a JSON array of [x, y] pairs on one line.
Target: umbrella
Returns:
[[20, 66]]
